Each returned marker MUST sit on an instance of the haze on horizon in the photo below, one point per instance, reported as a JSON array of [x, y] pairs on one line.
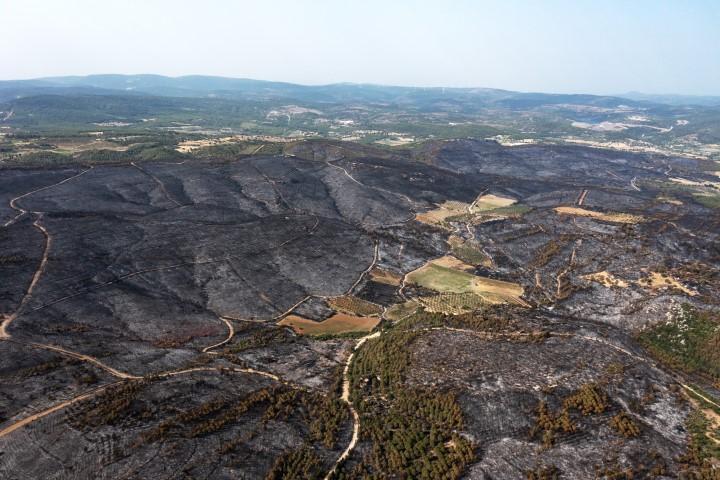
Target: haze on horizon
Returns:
[[564, 46]]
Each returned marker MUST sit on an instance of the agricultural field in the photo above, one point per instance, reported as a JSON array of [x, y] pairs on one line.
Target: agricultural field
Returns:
[[455, 303], [355, 306], [400, 311], [449, 275], [468, 252], [657, 281], [337, 324], [490, 202]]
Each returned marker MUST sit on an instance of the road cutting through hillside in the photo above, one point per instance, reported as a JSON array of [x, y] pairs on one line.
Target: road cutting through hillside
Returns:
[[33, 282], [8, 319]]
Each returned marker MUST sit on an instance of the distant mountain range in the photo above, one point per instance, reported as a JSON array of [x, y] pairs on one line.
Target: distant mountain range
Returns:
[[248, 89]]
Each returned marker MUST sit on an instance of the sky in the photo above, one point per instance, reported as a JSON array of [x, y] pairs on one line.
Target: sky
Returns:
[[565, 46]]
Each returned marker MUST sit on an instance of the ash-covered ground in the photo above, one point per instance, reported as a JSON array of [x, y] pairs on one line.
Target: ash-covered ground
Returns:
[[140, 307]]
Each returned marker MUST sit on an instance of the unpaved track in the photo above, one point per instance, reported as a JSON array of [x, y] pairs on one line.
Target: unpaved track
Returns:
[[379, 189], [581, 198], [7, 320], [345, 397], [37, 416], [87, 358], [695, 392], [158, 182], [231, 333], [90, 393], [367, 270], [22, 211], [33, 282]]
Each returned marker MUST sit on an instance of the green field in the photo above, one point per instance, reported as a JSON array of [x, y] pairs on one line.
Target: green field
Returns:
[[450, 280], [442, 279]]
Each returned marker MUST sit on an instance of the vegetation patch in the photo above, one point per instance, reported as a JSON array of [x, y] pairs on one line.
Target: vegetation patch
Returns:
[[703, 449], [411, 430], [471, 254], [296, 464], [589, 399], [689, 341], [337, 324], [399, 311], [625, 425]]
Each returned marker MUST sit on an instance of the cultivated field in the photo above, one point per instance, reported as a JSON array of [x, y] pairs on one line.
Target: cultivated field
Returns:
[[337, 324], [454, 303], [468, 252], [355, 306], [439, 276], [490, 202]]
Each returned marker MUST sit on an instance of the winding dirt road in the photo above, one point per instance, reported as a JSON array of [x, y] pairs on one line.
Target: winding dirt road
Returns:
[[345, 397], [87, 358], [90, 393], [33, 282], [37, 416], [231, 333]]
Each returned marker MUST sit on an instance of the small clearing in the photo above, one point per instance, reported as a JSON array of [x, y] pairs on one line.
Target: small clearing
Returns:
[[337, 324], [657, 281], [606, 217], [605, 278]]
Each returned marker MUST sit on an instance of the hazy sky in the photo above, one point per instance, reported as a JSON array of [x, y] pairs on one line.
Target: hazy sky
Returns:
[[602, 46]]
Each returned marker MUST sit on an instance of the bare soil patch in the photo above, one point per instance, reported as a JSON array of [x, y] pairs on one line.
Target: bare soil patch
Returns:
[[338, 323], [607, 217]]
